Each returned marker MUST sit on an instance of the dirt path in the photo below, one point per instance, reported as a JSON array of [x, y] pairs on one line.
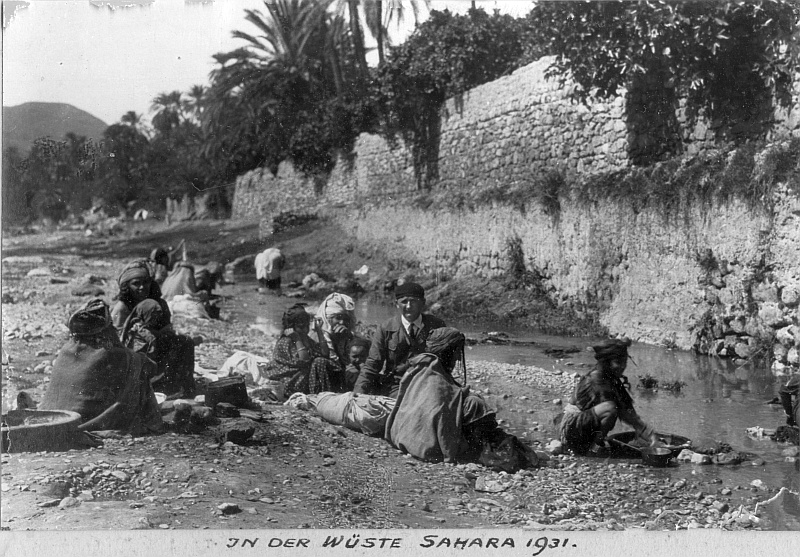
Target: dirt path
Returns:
[[297, 471]]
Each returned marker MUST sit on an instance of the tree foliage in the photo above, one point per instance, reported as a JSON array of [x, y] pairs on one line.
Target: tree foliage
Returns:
[[444, 57], [726, 59], [293, 92]]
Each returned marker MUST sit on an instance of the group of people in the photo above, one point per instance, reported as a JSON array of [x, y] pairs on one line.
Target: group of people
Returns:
[[118, 356]]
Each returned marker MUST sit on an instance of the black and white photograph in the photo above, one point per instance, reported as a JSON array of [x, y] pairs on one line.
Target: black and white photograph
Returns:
[[421, 277]]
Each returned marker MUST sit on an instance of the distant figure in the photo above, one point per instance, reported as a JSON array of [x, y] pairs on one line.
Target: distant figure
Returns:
[[181, 281], [161, 259], [164, 259], [269, 264], [396, 341]]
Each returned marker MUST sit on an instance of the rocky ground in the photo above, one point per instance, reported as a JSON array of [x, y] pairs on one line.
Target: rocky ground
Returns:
[[297, 471]]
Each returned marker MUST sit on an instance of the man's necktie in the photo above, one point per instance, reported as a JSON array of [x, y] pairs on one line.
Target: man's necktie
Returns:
[[412, 331]]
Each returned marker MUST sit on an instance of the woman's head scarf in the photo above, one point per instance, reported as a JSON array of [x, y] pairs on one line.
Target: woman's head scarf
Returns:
[[447, 344], [141, 269], [90, 319], [336, 304], [294, 316]]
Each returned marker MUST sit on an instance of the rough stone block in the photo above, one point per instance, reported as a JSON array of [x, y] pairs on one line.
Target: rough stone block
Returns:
[[765, 292], [737, 325], [790, 295], [785, 336], [772, 315], [742, 350]]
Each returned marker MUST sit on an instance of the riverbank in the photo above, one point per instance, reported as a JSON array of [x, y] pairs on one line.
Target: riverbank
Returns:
[[297, 471]]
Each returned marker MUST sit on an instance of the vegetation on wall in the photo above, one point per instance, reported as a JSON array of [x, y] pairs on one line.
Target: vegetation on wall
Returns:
[[730, 61], [444, 57]]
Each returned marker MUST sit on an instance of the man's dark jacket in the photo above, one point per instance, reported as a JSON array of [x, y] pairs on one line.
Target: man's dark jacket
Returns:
[[389, 354]]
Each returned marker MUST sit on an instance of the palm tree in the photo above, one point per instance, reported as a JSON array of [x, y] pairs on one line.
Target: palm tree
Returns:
[[298, 58], [380, 14], [132, 119], [169, 111], [195, 102]]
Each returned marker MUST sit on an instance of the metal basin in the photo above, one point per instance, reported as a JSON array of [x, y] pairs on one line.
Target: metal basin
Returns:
[[40, 430]]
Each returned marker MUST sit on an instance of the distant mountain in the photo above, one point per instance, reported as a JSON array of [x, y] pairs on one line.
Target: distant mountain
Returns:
[[28, 121]]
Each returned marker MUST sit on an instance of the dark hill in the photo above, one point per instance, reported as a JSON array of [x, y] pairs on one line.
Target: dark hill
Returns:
[[28, 121]]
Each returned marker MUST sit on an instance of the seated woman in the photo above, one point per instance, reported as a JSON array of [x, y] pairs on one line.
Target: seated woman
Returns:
[[104, 382], [436, 419], [144, 323], [302, 364], [599, 399], [337, 317]]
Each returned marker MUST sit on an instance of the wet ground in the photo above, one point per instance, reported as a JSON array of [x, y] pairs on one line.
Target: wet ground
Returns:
[[298, 471]]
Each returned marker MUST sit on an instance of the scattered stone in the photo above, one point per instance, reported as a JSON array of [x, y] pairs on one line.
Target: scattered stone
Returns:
[[49, 503], [229, 508], [489, 486], [68, 502]]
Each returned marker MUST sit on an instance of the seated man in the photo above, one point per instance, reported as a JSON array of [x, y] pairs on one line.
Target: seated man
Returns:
[[792, 410], [97, 377], [599, 399], [396, 341]]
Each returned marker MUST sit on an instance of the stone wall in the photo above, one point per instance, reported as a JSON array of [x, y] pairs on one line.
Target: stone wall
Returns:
[[722, 279]]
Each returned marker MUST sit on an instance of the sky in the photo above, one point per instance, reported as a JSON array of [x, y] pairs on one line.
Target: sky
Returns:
[[109, 57]]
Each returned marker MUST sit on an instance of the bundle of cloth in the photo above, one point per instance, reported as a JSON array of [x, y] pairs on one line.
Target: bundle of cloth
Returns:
[[100, 379], [364, 413]]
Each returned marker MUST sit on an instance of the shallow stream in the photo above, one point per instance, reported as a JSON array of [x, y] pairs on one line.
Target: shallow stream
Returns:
[[718, 403]]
